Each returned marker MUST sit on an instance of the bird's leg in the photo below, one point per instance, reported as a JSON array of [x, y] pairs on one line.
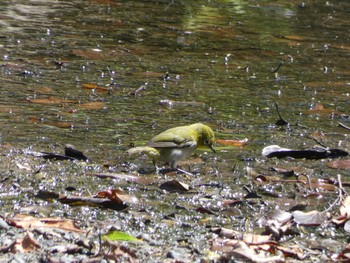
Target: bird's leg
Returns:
[[158, 170], [176, 168], [183, 171]]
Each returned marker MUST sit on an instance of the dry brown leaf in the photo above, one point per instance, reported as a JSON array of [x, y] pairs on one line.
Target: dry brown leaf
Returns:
[[27, 222], [295, 37], [149, 74], [91, 54], [64, 125], [345, 254], [7, 108], [96, 87], [321, 110], [236, 249], [232, 142], [118, 195], [292, 251], [257, 241], [341, 46], [118, 253], [95, 105], [51, 100], [345, 207], [339, 164], [26, 244], [44, 90]]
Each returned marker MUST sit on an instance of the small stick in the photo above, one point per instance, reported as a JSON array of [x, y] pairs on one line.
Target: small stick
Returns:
[[278, 67], [343, 126], [139, 89], [281, 121]]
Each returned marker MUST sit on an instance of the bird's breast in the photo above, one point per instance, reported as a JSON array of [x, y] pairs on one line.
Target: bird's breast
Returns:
[[175, 154]]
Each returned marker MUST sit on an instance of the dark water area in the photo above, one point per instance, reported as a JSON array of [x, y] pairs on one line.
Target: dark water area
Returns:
[[104, 74]]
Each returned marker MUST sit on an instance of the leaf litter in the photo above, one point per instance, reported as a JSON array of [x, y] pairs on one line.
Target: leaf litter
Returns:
[[272, 216]]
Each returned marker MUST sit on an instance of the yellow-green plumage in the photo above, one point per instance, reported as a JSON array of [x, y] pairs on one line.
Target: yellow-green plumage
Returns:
[[176, 143]]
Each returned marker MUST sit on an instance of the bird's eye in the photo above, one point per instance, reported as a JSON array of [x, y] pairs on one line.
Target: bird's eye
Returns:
[[206, 142]]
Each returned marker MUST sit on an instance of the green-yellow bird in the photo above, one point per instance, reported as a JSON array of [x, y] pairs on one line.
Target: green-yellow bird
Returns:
[[176, 144]]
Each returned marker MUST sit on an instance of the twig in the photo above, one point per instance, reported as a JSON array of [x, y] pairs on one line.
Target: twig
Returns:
[[343, 126], [320, 143], [139, 89], [100, 243], [278, 67], [341, 185], [309, 181], [281, 121], [340, 194]]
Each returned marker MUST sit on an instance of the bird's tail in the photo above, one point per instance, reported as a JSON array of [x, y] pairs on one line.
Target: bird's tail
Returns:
[[151, 152]]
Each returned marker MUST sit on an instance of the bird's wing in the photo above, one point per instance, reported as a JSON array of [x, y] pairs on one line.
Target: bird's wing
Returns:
[[177, 142]]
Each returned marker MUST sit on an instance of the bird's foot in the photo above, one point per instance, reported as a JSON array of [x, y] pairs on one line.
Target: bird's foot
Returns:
[[172, 170], [184, 172]]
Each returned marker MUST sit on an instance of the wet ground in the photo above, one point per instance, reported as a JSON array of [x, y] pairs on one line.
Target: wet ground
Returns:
[[105, 75]]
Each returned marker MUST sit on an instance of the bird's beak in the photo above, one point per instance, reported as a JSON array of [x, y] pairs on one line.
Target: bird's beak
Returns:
[[212, 148]]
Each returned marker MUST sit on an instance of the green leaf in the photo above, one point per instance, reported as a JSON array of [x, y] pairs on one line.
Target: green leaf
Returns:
[[119, 236]]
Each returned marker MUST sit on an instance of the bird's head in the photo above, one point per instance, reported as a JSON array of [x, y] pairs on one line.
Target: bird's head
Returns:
[[206, 136]]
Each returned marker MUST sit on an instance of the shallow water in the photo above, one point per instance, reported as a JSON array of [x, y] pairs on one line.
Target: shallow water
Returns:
[[220, 57]]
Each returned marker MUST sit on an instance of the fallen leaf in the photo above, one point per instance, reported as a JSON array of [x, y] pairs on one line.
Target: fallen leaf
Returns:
[[51, 100], [91, 54], [345, 254], [279, 215], [118, 195], [345, 207], [244, 252], [63, 125], [175, 185], [321, 110], [347, 226], [339, 164], [341, 46], [27, 222], [71, 151], [96, 87], [204, 210], [232, 142], [115, 204], [227, 233], [115, 252], [312, 218], [114, 235], [26, 244], [24, 166], [295, 37], [68, 249], [292, 251], [260, 241], [317, 153], [95, 105]]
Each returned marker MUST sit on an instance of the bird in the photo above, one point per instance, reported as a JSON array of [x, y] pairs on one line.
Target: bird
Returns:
[[176, 144]]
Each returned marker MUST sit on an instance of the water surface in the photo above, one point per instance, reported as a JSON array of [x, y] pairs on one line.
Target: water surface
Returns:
[[220, 56]]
